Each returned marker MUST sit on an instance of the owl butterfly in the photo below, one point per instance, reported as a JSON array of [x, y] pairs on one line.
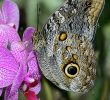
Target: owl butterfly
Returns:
[[64, 46]]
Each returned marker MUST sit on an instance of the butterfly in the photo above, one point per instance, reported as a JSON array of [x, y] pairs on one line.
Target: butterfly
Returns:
[[64, 46]]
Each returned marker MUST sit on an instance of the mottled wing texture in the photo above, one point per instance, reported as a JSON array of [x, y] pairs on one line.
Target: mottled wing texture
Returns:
[[65, 41]]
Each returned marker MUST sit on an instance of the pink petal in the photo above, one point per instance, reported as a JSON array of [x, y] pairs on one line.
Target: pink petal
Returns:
[[10, 13], [8, 35], [27, 36], [8, 67], [34, 70], [7, 92], [28, 33], [19, 52], [36, 89], [18, 80], [30, 95]]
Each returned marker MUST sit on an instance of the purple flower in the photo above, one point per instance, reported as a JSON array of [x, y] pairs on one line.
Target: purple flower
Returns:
[[18, 64], [28, 76], [9, 22], [9, 14]]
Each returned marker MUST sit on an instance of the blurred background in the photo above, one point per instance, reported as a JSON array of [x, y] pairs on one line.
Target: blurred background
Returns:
[[31, 16]]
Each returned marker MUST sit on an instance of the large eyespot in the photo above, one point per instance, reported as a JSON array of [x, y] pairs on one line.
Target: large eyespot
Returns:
[[71, 70]]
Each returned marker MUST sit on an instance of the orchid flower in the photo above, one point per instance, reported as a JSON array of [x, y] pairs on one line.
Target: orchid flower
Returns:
[[28, 76], [9, 14], [18, 64], [9, 23]]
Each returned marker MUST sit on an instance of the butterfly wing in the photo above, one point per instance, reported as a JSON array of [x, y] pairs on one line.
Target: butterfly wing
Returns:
[[65, 53], [75, 16]]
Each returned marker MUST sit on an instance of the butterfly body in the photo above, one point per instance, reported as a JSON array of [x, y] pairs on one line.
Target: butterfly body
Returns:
[[64, 46]]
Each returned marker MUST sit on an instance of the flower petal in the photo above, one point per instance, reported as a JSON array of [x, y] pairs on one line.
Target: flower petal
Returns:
[[19, 52], [28, 33], [10, 13], [27, 36], [7, 92], [8, 67], [8, 35], [34, 70], [30, 95], [36, 89], [18, 80]]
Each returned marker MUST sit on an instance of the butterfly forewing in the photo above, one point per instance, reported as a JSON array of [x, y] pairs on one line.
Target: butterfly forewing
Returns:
[[64, 47]]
